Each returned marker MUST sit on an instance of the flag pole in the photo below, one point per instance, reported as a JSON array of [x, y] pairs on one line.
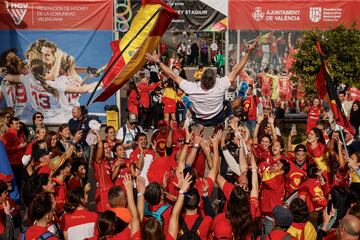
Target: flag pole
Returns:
[[115, 60], [343, 140]]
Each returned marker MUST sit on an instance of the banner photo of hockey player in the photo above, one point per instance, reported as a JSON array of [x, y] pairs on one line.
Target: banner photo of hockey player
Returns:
[[52, 55]]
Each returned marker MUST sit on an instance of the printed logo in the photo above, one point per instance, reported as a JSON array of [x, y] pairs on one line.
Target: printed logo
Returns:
[[258, 14], [315, 14], [17, 11]]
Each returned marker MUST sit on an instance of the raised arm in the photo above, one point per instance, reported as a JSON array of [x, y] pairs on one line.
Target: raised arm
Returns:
[[184, 184], [183, 153], [289, 144], [239, 67], [155, 59], [196, 144], [140, 187], [215, 165], [100, 148], [254, 178], [81, 89], [134, 222]]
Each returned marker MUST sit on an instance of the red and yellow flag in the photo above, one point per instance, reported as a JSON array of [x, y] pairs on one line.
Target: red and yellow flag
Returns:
[[327, 92], [146, 30]]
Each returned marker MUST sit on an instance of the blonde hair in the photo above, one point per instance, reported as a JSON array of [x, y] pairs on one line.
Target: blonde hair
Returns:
[[68, 65]]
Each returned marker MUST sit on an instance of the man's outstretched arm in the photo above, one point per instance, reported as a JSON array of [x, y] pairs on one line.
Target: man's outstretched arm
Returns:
[[239, 67]]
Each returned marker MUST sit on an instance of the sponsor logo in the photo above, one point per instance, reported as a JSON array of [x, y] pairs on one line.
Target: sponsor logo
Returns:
[[258, 14], [315, 14], [17, 11]]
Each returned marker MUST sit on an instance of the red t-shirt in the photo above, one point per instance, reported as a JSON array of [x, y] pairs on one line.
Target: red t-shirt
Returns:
[[313, 116], [102, 172], [74, 183], [204, 228], [294, 178], [34, 232], [311, 190], [250, 105], [60, 193], [144, 90], [272, 192], [159, 167], [124, 169], [80, 223]]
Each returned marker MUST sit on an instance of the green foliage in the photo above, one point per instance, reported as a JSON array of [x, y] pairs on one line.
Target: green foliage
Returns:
[[341, 47]]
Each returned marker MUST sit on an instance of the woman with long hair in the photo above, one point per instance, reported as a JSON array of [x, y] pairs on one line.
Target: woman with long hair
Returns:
[[51, 139], [78, 222], [317, 149], [355, 116], [237, 220]]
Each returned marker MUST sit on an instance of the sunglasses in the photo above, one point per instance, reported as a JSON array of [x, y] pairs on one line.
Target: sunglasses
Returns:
[[266, 108], [39, 116]]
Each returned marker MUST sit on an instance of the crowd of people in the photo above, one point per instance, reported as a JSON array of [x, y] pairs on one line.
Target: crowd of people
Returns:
[[186, 165]]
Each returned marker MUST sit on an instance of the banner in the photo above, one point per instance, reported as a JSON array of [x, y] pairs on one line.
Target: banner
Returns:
[[50, 54], [294, 15], [194, 15]]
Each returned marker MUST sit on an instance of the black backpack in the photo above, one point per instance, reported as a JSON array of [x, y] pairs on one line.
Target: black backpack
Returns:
[[190, 234]]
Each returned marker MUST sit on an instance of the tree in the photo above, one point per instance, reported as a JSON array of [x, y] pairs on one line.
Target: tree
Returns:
[[341, 47]]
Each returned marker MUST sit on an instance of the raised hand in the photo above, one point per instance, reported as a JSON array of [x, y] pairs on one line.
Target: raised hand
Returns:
[[140, 184], [184, 183], [128, 183], [152, 58]]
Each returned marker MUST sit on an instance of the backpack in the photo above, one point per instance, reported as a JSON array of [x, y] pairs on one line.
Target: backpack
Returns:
[[157, 214], [124, 132], [44, 236], [190, 234]]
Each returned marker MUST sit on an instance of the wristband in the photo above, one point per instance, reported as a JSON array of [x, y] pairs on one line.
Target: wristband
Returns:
[[182, 192], [73, 143], [195, 145], [139, 194]]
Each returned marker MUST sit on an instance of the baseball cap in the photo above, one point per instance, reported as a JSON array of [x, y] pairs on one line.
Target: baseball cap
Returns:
[[300, 147], [132, 118], [6, 178], [282, 216]]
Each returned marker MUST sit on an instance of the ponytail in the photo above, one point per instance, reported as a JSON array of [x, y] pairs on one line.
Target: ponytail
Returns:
[[38, 69]]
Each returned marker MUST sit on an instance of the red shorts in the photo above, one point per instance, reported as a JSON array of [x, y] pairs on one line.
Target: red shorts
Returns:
[[265, 92]]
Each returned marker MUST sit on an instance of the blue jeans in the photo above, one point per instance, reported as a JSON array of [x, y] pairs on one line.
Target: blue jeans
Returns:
[[251, 125], [267, 226]]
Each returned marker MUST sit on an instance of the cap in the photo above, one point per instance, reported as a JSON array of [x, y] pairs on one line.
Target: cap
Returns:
[[6, 178], [282, 216], [132, 118], [37, 153], [300, 147], [56, 163], [162, 123]]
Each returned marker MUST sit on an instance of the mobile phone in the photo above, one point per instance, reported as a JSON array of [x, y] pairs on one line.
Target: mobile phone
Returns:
[[293, 126]]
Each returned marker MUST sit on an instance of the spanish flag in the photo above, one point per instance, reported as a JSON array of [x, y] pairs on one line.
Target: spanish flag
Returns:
[[146, 30], [327, 92]]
